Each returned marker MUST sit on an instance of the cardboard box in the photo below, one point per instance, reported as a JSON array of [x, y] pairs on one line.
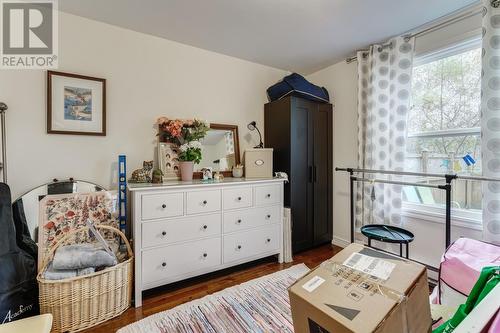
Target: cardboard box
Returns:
[[259, 163], [335, 298]]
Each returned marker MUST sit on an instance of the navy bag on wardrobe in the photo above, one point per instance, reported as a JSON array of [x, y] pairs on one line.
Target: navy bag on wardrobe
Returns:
[[18, 267], [296, 85]]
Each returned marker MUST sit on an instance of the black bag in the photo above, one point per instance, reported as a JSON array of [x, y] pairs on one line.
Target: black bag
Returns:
[[23, 236], [296, 85], [18, 269]]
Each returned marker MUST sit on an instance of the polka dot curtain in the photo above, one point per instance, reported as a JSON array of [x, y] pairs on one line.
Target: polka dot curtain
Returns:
[[490, 119], [384, 79]]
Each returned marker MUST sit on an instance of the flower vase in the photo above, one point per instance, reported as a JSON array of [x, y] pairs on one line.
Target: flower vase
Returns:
[[186, 168]]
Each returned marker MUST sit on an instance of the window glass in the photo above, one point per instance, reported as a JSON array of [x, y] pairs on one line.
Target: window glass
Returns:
[[444, 124]]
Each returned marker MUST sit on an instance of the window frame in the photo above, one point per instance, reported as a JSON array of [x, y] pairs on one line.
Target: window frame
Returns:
[[467, 218]]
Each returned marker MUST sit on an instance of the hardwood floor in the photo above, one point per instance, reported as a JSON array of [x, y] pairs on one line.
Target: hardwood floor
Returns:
[[167, 297]]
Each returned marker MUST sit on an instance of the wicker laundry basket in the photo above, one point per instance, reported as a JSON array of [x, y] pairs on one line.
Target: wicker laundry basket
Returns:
[[85, 301]]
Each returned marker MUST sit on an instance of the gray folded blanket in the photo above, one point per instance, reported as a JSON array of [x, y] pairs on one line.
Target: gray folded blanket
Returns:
[[59, 274], [78, 256]]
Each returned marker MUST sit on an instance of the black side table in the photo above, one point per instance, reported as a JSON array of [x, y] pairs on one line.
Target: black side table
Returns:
[[388, 234]]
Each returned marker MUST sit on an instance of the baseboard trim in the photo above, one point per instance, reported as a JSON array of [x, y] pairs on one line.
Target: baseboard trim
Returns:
[[340, 241]]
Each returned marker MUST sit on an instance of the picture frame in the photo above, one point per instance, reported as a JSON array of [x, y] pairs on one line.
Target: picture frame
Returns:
[[76, 104], [168, 161]]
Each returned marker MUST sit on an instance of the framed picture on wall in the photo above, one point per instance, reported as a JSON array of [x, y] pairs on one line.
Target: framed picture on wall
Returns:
[[76, 104]]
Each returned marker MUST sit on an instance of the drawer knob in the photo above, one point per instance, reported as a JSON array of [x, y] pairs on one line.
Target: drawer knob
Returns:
[[239, 247], [268, 195], [205, 227], [205, 255], [239, 198], [164, 264], [163, 233], [239, 221], [268, 240], [163, 206], [268, 216], [204, 202]]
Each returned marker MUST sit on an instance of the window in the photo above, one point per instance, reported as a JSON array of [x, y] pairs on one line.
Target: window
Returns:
[[444, 124]]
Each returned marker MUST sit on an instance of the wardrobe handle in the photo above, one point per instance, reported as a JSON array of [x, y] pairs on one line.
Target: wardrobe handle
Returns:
[[204, 202], [239, 198], [205, 227], [163, 233], [164, 264], [239, 247], [310, 174], [205, 255], [314, 174], [163, 206], [239, 221]]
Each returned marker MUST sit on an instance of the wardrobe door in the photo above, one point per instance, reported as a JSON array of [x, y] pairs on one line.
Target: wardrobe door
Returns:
[[277, 123], [322, 173], [301, 174]]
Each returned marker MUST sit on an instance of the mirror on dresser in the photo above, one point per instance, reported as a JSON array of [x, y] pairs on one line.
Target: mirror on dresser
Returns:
[[220, 150]]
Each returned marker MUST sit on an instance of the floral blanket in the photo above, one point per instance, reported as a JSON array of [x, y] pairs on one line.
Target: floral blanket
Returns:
[[62, 213]]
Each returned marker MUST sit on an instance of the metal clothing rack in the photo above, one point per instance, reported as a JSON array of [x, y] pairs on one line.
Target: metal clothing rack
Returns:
[[3, 164], [447, 187]]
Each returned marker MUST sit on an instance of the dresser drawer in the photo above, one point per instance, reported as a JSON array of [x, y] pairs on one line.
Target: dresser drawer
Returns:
[[181, 229], [248, 218], [174, 260], [155, 206], [266, 195], [245, 244], [202, 201], [240, 197]]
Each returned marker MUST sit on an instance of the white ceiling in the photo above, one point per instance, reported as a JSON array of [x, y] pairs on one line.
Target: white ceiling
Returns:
[[296, 35]]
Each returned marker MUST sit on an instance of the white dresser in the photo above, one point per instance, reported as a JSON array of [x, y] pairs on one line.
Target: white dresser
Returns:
[[184, 229]]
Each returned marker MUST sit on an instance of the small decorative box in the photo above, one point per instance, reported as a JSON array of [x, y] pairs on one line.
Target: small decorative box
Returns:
[[259, 163]]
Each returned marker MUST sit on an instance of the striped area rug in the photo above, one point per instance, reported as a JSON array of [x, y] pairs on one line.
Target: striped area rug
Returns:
[[259, 305]]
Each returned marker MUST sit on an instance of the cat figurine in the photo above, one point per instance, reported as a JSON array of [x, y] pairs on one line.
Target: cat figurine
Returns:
[[142, 175]]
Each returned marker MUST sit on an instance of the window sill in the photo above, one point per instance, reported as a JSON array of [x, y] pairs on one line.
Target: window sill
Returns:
[[459, 218]]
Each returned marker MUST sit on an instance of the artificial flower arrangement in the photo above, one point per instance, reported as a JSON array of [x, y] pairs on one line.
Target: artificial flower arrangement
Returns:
[[186, 133]]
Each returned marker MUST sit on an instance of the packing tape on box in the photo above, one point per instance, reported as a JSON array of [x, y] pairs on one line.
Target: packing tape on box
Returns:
[[369, 283]]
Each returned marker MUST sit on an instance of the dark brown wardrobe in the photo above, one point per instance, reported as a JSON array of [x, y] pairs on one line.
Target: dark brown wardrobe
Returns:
[[300, 131]]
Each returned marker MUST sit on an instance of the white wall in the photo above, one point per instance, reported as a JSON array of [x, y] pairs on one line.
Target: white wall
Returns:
[[146, 77], [341, 81]]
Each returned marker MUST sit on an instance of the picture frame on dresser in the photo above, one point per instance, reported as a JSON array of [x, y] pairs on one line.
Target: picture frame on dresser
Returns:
[[76, 104], [168, 161], [214, 225]]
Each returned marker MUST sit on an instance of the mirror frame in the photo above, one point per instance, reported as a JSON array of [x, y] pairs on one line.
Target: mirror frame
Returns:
[[225, 127]]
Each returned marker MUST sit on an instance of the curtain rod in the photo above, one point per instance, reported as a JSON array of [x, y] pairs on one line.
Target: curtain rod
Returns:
[[365, 51], [440, 25]]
